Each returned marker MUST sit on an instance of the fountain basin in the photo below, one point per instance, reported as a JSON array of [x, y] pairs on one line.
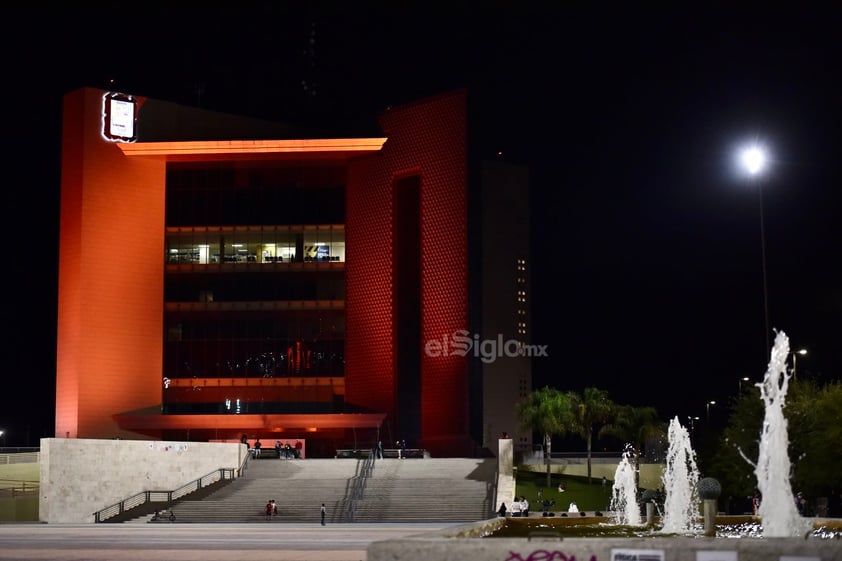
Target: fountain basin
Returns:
[[470, 543]]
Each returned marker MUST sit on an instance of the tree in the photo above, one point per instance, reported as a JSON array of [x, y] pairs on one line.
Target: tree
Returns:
[[635, 426], [815, 429], [549, 412], [591, 408], [814, 425]]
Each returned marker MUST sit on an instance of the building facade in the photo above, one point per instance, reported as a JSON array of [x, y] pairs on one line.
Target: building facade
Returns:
[[222, 277]]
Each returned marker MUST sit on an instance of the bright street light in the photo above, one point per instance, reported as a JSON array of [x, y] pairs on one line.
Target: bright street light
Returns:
[[743, 379], [801, 352], [753, 159]]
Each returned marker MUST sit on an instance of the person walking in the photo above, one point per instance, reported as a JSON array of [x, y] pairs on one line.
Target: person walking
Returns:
[[270, 509], [323, 512]]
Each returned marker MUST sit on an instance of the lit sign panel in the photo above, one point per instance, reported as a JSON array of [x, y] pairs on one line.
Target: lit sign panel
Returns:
[[119, 117]]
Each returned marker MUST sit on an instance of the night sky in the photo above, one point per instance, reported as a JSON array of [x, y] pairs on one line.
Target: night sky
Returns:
[[646, 261]]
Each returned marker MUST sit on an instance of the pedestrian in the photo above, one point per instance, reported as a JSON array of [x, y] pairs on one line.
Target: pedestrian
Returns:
[[270, 508], [323, 512], [801, 504], [379, 449], [257, 446], [502, 511]]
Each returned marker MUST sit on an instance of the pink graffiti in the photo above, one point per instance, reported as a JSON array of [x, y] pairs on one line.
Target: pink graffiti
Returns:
[[544, 555]]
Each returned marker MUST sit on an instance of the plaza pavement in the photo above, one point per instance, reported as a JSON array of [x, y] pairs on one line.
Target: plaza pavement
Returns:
[[198, 542]]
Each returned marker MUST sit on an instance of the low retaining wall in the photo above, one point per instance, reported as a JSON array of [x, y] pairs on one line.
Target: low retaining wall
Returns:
[[465, 543]]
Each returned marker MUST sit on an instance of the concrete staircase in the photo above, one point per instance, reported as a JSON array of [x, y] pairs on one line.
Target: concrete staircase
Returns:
[[428, 490], [408, 490]]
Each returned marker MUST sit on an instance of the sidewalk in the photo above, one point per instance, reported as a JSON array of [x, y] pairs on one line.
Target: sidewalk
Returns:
[[198, 542]]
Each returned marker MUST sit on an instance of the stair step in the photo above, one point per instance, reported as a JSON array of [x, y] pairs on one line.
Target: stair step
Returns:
[[411, 490]]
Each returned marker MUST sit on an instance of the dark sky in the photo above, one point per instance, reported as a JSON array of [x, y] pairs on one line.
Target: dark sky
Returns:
[[647, 276]]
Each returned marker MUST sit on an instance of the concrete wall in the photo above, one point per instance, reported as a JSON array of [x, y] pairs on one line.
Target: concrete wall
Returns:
[[650, 474], [505, 472], [82, 476]]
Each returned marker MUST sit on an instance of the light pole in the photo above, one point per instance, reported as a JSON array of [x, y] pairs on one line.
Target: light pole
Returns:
[[707, 406], [692, 425], [743, 379], [801, 352], [754, 160]]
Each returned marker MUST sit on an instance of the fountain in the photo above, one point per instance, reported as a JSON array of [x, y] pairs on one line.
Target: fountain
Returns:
[[778, 514], [624, 492], [680, 479], [777, 511]]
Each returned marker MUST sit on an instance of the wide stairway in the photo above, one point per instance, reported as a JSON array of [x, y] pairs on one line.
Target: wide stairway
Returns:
[[395, 490]]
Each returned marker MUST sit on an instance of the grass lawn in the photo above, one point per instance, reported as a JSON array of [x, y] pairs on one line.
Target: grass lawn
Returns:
[[589, 497]]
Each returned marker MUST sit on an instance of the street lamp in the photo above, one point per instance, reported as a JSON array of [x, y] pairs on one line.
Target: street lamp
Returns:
[[743, 379], [754, 161], [801, 352], [692, 420], [707, 406]]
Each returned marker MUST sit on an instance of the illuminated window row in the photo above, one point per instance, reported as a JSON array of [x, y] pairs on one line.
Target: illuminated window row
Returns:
[[262, 244]]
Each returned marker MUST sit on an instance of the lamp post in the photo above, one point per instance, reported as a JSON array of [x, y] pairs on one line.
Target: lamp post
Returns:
[[707, 407], [754, 160], [3, 436], [743, 379], [692, 425], [801, 352]]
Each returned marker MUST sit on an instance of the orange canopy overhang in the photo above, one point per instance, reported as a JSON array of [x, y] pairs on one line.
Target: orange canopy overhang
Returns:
[[232, 150], [145, 420]]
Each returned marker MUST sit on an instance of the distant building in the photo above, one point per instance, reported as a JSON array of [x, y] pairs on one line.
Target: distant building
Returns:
[[224, 278]]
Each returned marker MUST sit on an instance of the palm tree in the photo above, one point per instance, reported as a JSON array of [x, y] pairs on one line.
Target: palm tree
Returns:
[[634, 426], [591, 408], [549, 412]]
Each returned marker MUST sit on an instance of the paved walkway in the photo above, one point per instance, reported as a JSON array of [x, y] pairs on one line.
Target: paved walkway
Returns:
[[199, 542]]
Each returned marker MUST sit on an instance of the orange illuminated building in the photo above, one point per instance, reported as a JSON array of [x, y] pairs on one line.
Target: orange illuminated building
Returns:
[[222, 276]]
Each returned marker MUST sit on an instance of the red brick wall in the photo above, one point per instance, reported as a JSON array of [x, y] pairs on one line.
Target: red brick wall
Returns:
[[428, 139]]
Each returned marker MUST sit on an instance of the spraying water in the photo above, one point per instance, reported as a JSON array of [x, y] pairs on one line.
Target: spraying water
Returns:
[[777, 512], [624, 493], [680, 480]]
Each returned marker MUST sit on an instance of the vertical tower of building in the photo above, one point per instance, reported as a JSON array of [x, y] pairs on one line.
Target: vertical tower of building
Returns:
[[407, 276]]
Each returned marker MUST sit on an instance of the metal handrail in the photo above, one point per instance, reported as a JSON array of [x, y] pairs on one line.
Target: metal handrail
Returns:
[[163, 496], [359, 485], [244, 464]]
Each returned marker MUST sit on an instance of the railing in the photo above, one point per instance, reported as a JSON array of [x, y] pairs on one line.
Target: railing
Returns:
[[537, 456], [360, 453], [168, 497], [10, 488], [358, 489], [24, 456], [244, 464], [491, 494]]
